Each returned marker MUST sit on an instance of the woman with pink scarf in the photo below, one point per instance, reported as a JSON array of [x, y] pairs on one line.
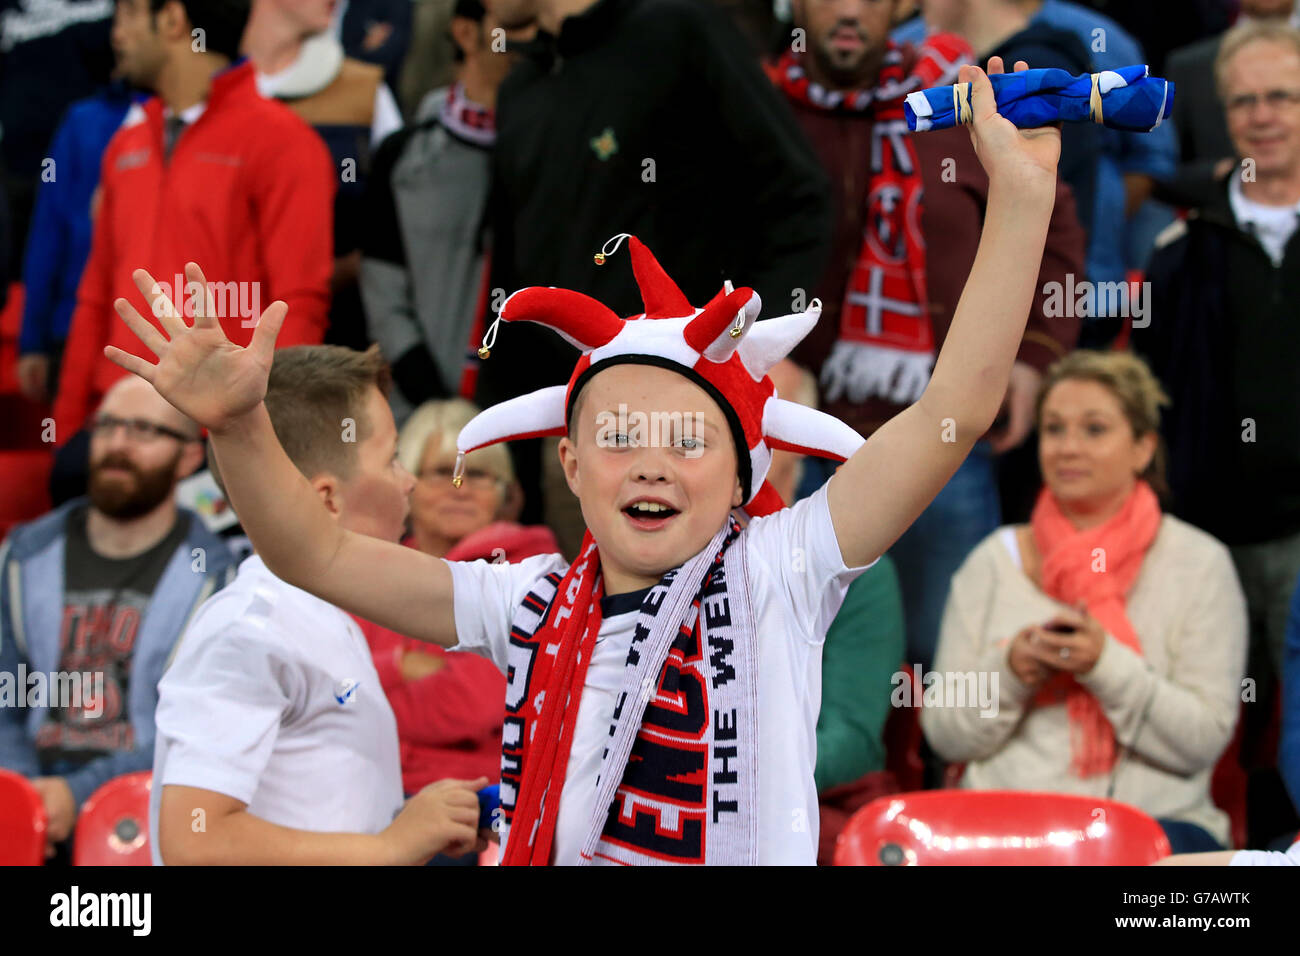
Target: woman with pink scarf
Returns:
[[1112, 635]]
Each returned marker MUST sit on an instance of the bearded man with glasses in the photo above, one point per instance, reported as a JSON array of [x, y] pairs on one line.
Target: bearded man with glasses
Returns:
[[102, 587]]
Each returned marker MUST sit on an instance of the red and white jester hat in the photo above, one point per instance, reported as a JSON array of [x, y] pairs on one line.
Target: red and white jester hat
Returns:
[[721, 348]]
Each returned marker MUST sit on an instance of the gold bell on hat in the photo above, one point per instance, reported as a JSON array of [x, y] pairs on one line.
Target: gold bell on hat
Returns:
[[735, 332], [489, 339], [605, 251]]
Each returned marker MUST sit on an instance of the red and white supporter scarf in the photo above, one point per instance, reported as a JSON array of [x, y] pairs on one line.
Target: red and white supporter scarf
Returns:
[[886, 344], [678, 781], [466, 119]]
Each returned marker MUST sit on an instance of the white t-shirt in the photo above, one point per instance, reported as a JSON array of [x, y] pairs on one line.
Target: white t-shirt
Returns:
[[1271, 225], [797, 581], [273, 699], [1267, 857]]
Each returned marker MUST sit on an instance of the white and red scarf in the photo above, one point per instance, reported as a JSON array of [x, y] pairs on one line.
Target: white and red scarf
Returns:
[[885, 347], [678, 781], [466, 119]]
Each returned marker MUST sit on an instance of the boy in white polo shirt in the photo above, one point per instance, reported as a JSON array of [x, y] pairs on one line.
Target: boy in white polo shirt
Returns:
[[275, 742], [682, 730]]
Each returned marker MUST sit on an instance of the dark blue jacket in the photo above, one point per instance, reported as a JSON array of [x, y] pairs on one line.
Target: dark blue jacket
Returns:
[[58, 240], [1288, 751]]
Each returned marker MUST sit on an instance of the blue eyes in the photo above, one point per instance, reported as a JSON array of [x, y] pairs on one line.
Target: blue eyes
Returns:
[[684, 444]]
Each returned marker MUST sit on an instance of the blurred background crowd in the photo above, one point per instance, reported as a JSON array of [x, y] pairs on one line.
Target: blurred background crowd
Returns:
[[392, 169]]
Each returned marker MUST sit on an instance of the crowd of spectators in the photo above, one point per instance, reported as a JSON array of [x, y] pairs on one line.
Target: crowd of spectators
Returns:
[[393, 169]]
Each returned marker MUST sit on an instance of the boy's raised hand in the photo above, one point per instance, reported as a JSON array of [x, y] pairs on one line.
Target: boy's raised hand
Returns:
[[891, 479], [1019, 157], [199, 370]]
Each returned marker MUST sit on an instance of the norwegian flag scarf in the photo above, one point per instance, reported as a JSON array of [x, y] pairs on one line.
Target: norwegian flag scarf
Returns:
[[678, 781], [886, 344]]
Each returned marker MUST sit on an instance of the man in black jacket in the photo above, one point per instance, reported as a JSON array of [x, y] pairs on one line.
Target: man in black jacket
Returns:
[[649, 117], [1224, 338]]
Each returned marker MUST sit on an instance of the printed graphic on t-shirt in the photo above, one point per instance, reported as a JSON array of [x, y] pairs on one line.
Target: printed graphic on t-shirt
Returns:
[[104, 603], [97, 636]]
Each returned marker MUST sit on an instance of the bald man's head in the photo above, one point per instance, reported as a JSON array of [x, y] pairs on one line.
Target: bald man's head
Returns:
[[132, 397], [140, 446]]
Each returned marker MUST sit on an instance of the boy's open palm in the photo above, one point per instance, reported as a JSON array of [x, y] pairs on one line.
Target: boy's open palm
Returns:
[[199, 370], [1023, 157]]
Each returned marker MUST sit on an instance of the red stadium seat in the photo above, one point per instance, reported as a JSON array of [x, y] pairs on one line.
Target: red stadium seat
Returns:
[[22, 422], [902, 739], [999, 828], [11, 324], [113, 827], [24, 486], [22, 822], [1228, 785]]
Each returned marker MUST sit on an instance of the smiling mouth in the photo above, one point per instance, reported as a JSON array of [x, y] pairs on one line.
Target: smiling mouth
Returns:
[[649, 515]]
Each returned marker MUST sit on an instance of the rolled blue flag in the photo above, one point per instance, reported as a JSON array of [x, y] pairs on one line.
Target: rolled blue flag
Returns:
[[1127, 99]]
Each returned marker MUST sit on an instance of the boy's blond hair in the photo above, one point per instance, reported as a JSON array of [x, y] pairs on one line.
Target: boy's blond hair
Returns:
[[312, 394]]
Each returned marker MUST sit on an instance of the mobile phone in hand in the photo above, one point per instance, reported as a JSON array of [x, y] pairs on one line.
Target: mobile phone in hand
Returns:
[[489, 799], [1059, 627]]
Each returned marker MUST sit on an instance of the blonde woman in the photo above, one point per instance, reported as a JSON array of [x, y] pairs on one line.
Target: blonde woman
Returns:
[[470, 521], [1117, 633], [448, 706]]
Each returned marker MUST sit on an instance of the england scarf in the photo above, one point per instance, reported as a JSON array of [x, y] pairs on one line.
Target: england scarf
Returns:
[[1128, 99], [678, 782], [886, 344]]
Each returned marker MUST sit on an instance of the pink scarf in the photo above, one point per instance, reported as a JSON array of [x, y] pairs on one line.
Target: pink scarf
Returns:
[[1098, 567]]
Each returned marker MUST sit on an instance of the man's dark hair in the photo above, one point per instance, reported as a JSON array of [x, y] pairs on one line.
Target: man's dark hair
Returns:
[[222, 22], [470, 10]]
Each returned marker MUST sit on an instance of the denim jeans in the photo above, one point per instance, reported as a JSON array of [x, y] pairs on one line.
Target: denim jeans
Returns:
[[962, 515], [1187, 837]]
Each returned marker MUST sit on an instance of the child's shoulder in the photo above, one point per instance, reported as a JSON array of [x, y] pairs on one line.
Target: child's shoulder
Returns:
[[534, 567], [257, 607], [804, 524]]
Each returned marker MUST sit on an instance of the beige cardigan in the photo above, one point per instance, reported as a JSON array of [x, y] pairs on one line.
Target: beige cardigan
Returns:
[[1189, 613]]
